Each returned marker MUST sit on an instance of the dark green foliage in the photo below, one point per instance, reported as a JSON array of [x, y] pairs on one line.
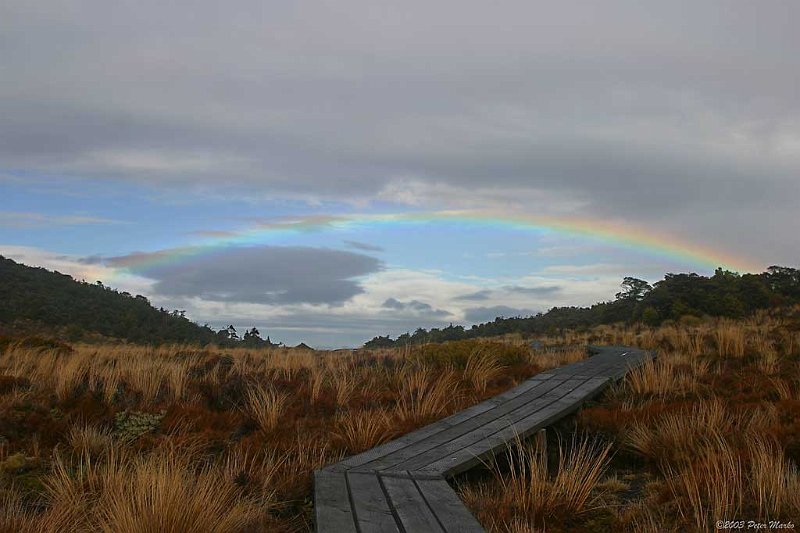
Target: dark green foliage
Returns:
[[676, 297], [33, 298]]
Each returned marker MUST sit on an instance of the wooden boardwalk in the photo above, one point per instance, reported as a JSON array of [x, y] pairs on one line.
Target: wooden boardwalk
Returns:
[[401, 486]]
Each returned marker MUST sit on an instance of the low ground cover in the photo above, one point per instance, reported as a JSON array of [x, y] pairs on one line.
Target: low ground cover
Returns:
[[709, 431], [132, 438]]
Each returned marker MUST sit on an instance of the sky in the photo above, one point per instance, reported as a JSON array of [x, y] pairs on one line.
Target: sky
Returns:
[[331, 171]]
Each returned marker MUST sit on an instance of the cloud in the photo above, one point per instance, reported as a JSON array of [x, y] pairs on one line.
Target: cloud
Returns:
[[275, 275], [478, 315], [414, 306], [483, 294], [365, 247], [535, 291], [24, 220], [694, 130]]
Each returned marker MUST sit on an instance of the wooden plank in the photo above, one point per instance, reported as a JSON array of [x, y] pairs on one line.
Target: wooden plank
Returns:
[[432, 429], [370, 507], [450, 510], [463, 459], [448, 434], [476, 434], [332, 511], [609, 364], [409, 505], [469, 451]]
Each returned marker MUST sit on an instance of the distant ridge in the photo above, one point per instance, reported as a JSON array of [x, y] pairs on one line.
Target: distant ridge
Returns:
[[678, 297], [34, 300]]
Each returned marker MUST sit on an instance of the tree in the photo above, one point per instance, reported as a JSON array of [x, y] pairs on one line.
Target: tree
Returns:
[[650, 316], [784, 280], [635, 289]]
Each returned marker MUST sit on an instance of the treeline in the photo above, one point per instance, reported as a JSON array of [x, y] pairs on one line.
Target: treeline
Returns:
[[725, 294], [33, 297]]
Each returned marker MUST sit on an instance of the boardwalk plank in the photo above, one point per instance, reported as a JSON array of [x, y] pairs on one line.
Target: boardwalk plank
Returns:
[[410, 505], [471, 456], [449, 448], [449, 433], [369, 502], [332, 502], [428, 431], [449, 508]]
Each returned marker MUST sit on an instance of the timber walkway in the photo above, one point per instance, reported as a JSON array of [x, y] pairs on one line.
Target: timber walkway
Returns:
[[401, 486]]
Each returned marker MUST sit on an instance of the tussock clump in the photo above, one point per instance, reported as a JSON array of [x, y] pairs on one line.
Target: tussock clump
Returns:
[[481, 368], [266, 406], [89, 439], [530, 494], [162, 492], [359, 431], [425, 395]]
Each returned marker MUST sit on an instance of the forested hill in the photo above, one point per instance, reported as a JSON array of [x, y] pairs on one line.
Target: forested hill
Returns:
[[676, 297], [33, 299]]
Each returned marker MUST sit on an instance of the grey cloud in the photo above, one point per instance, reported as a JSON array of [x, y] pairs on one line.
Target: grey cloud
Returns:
[[363, 246], [258, 274], [535, 291], [415, 306], [22, 220], [487, 314], [644, 112], [474, 296]]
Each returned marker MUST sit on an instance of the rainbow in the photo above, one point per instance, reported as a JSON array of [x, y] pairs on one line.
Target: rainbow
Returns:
[[607, 231]]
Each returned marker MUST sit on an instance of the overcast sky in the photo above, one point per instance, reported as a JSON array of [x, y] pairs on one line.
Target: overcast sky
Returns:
[[198, 154]]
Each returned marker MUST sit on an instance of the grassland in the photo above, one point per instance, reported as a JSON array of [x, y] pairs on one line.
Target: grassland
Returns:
[[128, 438], [709, 431]]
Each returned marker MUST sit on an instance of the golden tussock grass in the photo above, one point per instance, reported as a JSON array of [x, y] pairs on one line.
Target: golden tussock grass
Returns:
[[223, 409], [721, 482], [343, 384], [481, 368], [731, 339], [546, 358], [660, 379], [266, 406], [90, 440], [359, 431], [15, 517], [532, 494], [715, 418], [160, 492], [424, 396]]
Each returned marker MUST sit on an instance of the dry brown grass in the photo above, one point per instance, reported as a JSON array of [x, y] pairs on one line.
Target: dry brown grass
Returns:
[[715, 418], [531, 495], [15, 517], [481, 368], [547, 358], [362, 430], [90, 440], [424, 396], [660, 379], [311, 409], [712, 487], [266, 406], [731, 338], [164, 491]]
